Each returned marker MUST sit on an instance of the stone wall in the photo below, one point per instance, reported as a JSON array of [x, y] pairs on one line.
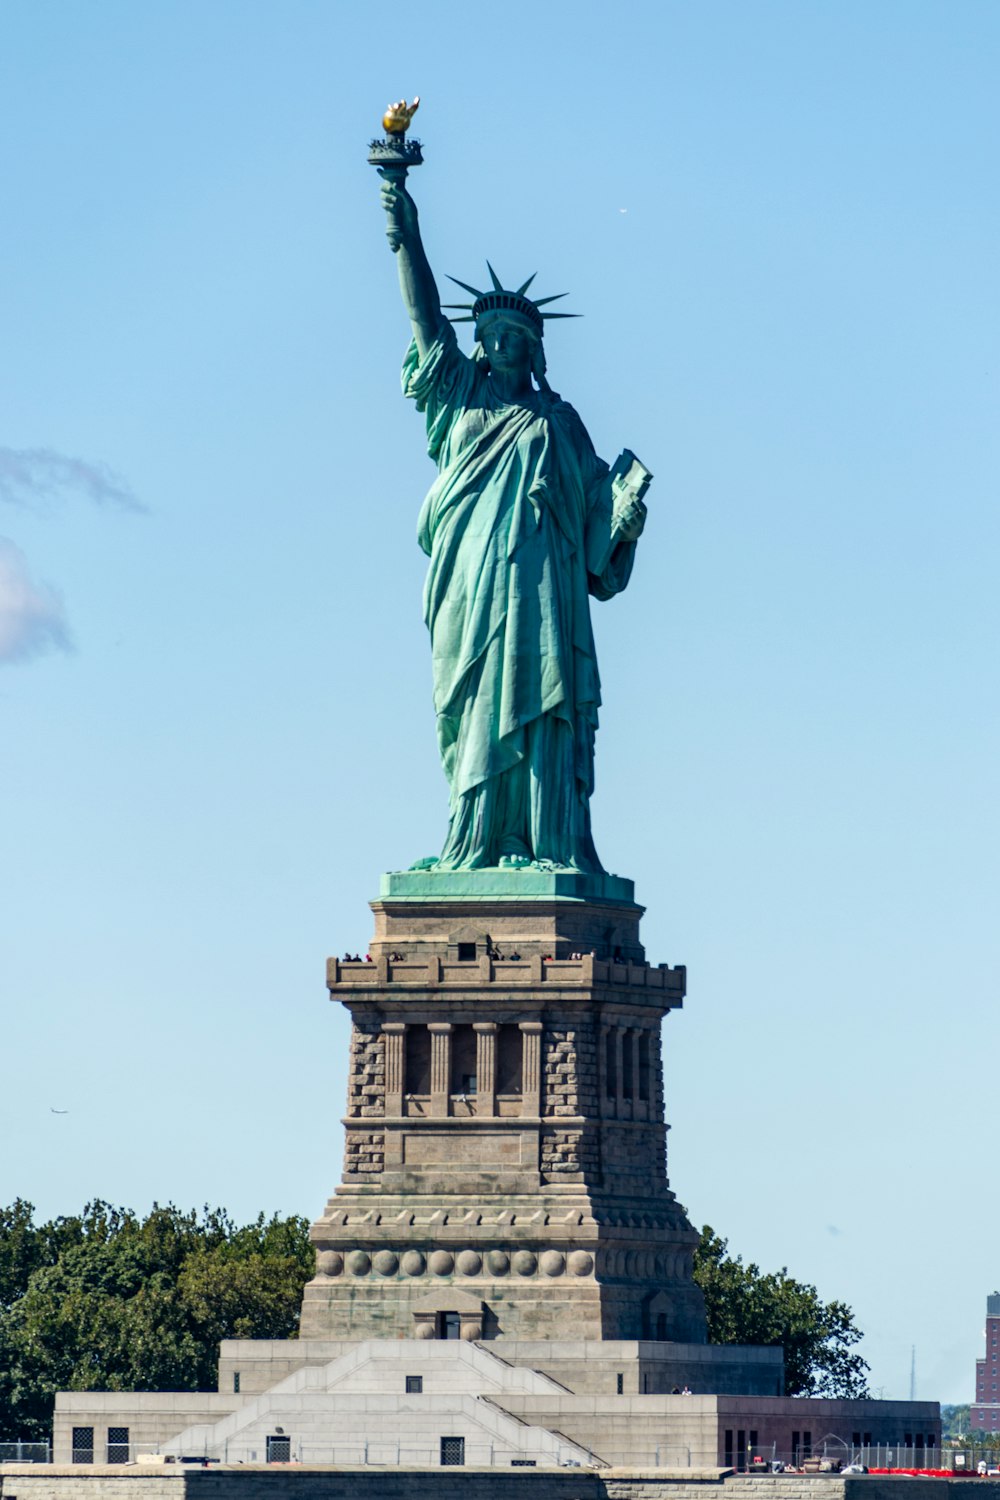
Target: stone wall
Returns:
[[366, 1079], [364, 1153], [294, 1482]]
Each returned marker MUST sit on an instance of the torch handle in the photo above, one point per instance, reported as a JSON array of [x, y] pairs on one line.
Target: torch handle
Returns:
[[397, 176]]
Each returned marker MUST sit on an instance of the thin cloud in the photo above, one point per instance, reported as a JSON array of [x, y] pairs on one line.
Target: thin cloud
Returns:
[[32, 476], [32, 619]]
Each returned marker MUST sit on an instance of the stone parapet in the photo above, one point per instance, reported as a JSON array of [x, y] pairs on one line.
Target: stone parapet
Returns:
[[661, 986]]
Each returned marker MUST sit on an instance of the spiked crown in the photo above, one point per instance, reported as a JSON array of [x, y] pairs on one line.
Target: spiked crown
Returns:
[[499, 299]]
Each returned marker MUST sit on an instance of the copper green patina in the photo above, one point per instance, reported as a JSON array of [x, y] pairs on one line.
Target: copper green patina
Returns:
[[523, 526]]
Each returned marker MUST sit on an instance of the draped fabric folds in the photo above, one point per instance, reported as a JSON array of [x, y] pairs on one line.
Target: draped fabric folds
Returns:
[[518, 529]]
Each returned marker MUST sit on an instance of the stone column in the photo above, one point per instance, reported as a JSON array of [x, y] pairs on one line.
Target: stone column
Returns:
[[619, 1072], [602, 1068], [632, 1041], [486, 1067], [652, 1079], [440, 1066], [531, 1067], [395, 1065]]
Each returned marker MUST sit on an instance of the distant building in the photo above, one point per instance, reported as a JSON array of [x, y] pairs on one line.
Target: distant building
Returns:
[[984, 1414]]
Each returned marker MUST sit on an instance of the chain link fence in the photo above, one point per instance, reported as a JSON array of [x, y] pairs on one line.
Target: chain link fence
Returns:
[[25, 1453]]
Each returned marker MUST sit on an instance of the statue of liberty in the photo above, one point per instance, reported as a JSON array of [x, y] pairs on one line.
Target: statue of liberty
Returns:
[[523, 525]]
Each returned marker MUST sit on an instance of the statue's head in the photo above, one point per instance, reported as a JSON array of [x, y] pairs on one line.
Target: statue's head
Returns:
[[508, 322]]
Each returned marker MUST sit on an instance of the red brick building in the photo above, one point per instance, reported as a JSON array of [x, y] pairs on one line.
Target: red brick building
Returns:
[[984, 1414]]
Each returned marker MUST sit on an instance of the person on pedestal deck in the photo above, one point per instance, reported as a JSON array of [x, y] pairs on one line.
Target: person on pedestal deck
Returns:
[[522, 525]]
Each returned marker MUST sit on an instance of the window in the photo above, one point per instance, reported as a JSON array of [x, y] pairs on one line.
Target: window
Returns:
[[236, 1382], [279, 1449], [620, 1384], [418, 1060], [796, 1448], [610, 1070], [117, 1445], [83, 1445], [524, 1463], [509, 1051], [661, 1325], [453, 1450], [931, 1440], [466, 955], [741, 1450], [729, 1448], [463, 1060], [644, 1065], [867, 1440], [414, 1385], [628, 1083], [807, 1445], [449, 1325]]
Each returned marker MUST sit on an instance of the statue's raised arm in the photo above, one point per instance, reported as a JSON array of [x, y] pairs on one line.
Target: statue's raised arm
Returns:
[[416, 279]]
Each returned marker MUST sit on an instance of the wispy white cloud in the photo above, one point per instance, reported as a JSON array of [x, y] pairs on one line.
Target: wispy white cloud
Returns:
[[32, 619], [33, 476]]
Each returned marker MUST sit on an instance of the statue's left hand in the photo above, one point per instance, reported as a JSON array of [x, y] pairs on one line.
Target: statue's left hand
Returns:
[[630, 519], [401, 211]]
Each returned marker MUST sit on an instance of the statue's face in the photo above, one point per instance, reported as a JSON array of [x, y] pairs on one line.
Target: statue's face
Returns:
[[507, 345]]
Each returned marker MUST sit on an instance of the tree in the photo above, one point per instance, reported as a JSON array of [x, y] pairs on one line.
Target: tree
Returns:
[[745, 1306], [109, 1301]]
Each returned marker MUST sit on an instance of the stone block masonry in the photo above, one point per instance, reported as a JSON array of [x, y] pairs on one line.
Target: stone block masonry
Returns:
[[505, 1133], [296, 1482]]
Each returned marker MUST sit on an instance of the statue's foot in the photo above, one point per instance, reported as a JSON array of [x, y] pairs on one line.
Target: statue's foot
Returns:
[[514, 861], [426, 864]]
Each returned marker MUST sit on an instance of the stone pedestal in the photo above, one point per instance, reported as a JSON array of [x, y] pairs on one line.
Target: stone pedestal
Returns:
[[505, 1170]]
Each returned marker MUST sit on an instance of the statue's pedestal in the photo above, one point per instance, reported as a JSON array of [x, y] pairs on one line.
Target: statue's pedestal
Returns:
[[505, 1164]]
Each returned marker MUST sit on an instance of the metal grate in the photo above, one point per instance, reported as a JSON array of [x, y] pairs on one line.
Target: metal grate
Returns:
[[118, 1445], [414, 1385], [453, 1450], [83, 1445], [279, 1450]]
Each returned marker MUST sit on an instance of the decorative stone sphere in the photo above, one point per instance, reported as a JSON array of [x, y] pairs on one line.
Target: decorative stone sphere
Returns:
[[329, 1262], [359, 1262], [470, 1263], [412, 1263], [552, 1262], [425, 1330], [581, 1262], [524, 1262], [442, 1262], [386, 1262], [472, 1330], [497, 1262]]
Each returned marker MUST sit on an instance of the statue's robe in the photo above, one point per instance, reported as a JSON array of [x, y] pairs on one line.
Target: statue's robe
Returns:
[[518, 529]]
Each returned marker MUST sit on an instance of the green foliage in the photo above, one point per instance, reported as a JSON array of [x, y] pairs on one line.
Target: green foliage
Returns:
[[747, 1307], [108, 1301], [954, 1421]]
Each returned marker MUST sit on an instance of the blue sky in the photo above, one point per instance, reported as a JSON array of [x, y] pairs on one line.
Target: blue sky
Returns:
[[780, 221]]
